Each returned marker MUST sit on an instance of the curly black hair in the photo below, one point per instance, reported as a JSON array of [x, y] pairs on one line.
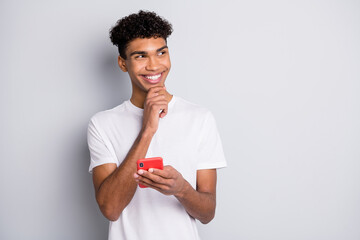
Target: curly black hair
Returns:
[[143, 24]]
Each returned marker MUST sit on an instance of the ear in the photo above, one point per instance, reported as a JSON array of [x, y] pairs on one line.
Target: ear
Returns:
[[122, 64]]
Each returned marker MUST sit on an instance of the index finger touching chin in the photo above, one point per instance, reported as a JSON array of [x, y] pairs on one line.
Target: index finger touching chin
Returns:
[[156, 89]]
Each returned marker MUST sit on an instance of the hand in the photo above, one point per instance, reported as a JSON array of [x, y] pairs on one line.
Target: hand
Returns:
[[168, 181], [155, 107]]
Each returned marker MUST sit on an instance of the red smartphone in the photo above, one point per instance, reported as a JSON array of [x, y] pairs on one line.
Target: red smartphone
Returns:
[[146, 163]]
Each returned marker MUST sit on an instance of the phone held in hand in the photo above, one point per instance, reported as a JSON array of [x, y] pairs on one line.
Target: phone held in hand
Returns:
[[146, 163]]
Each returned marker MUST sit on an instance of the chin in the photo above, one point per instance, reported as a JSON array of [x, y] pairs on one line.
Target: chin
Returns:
[[160, 84]]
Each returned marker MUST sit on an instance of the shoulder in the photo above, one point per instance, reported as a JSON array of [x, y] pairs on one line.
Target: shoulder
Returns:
[[105, 116], [183, 106], [189, 114]]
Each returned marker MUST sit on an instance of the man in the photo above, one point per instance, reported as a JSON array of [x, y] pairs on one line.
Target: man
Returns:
[[153, 123]]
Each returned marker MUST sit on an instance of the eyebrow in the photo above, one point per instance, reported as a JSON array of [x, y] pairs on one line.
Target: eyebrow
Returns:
[[143, 52]]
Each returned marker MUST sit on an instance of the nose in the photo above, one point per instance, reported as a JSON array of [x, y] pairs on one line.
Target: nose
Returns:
[[152, 64]]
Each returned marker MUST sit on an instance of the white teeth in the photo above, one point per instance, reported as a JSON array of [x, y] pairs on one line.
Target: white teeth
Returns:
[[153, 77]]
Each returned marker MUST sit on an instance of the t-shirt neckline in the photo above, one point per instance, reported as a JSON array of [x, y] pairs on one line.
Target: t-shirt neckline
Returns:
[[140, 111]]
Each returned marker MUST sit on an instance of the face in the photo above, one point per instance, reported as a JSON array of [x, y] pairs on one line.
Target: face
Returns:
[[147, 62]]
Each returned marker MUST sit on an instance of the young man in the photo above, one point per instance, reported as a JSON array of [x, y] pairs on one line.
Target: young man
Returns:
[[153, 123]]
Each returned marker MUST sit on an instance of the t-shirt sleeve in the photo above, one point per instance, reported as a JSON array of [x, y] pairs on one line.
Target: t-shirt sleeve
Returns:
[[211, 154], [99, 152]]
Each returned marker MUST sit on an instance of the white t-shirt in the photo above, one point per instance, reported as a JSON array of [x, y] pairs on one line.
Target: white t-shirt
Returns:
[[187, 139]]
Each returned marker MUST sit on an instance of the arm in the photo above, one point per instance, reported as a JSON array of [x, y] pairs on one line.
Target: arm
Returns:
[[199, 203], [115, 186]]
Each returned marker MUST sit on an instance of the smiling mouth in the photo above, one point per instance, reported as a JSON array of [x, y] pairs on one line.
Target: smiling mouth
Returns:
[[152, 78]]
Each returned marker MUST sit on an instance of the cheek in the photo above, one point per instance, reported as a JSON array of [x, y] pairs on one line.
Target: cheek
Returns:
[[137, 66], [166, 62]]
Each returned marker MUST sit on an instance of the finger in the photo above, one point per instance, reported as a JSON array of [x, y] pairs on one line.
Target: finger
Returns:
[[157, 187], [154, 178], [155, 98], [162, 173], [169, 168], [149, 183], [154, 90], [163, 112], [162, 91], [156, 106], [159, 107]]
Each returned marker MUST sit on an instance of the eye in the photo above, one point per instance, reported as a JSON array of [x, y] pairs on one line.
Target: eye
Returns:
[[140, 56], [161, 53]]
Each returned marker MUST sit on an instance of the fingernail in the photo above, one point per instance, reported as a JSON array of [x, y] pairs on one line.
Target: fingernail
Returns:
[[141, 171], [135, 175], [151, 170]]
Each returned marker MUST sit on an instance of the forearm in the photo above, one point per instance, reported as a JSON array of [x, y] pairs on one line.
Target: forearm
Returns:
[[117, 190], [199, 205]]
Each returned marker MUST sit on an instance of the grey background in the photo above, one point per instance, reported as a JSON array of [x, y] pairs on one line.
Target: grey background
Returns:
[[281, 77]]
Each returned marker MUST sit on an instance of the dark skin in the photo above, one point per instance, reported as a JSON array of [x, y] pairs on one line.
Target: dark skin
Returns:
[[148, 63]]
